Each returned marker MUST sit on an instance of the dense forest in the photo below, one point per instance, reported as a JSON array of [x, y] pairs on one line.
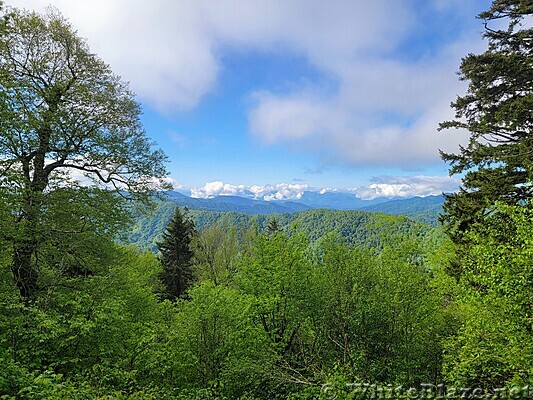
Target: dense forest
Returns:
[[96, 303], [356, 227]]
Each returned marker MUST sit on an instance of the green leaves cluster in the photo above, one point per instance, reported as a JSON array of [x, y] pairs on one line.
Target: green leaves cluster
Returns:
[[270, 315], [491, 347]]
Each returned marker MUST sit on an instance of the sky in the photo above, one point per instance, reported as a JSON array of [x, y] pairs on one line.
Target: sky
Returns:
[[275, 97]]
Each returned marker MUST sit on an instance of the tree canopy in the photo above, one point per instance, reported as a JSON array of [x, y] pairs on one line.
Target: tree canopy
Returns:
[[62, 111], [489, 219]]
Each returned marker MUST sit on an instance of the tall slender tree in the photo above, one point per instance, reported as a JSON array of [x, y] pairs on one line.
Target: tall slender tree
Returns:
[[176, 255], [497, 111], [489, 219]]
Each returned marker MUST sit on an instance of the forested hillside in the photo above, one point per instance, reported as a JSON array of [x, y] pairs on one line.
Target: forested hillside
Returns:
[[356, 227], [423, 209]]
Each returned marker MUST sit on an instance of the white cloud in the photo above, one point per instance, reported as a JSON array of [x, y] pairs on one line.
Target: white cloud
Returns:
[[384, 112], [407, 187], [286, 191], [380, 187], [217, 188], [169, 49], [173, 182], [385, 109], [280, 191]]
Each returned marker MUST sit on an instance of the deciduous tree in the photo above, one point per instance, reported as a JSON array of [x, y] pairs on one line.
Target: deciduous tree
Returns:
[[62, 110]]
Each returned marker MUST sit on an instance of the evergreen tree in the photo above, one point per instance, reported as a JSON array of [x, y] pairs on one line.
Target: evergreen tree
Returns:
[[176, 255], [489, 219], [497, 111], [273, 226]]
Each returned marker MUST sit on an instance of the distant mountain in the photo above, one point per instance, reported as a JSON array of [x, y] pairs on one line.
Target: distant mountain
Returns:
[[423, 209], [235, 204], [336, 200]]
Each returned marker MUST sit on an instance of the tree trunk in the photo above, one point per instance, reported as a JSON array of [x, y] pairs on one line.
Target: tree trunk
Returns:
[[24, 271], [26, 242]]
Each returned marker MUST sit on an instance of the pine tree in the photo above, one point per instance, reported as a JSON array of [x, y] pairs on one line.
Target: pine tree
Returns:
[[273, 226], [489, 219], [497, 111], [176, 255]]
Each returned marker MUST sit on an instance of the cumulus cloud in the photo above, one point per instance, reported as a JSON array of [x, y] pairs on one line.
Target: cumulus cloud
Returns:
[[217, 188], [388, 186], [172, 182], [384, 112], [169, 50], [160, 46], [384, 108], [407, 187], [280, 191]]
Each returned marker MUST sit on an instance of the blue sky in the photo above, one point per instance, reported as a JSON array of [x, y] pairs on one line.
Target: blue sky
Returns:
[[290, 95]]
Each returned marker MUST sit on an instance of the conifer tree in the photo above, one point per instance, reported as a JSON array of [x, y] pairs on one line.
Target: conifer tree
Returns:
[[497, 111], [273, 226], [176, 255]]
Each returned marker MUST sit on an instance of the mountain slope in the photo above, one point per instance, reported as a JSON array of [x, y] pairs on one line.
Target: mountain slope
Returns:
[[357, 227], [336, 200], [423, 209], [235, 204]]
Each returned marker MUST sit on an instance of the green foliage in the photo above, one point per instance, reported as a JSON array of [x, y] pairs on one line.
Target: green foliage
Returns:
[[91, 330], [219, 345], [357, 227], [275, 272], [489, 220], [378, 314], [490, 349], [273, 316], [421, 209], [63, 110], [216, 249]]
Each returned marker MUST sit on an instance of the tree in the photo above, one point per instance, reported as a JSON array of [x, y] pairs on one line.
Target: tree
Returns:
[[176, 255], [62, 110], [496, 110], [490, 218], [273, 226], [275, 272], [218, 345], [488, 349], [216, 249]]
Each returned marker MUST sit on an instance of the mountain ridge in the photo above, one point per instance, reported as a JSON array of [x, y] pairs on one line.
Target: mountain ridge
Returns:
[[425, 209]]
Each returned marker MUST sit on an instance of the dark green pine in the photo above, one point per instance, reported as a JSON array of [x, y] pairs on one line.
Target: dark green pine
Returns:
[[176, 256]]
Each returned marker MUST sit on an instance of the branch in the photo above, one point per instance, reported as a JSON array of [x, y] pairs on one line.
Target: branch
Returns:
[[91, 169]]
